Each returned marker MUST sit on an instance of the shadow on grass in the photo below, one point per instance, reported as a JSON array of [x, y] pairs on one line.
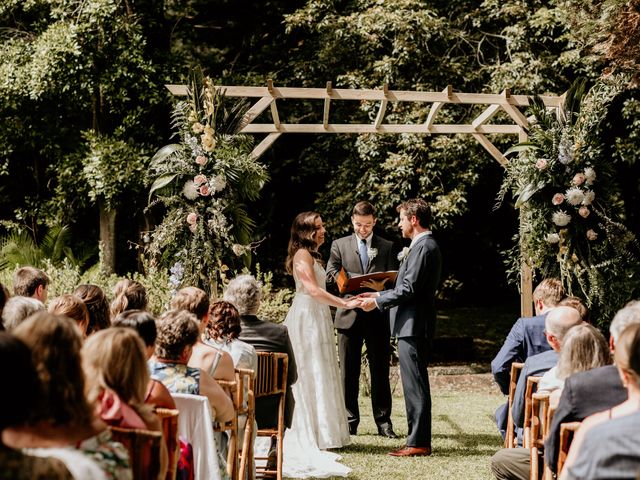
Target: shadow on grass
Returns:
[[468, 444], [368, 448]]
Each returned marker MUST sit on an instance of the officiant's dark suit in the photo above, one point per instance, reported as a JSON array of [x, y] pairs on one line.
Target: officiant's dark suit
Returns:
[[413, 316], [356, 327]]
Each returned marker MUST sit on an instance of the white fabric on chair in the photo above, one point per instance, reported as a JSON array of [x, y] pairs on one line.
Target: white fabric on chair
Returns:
[[195, 425]]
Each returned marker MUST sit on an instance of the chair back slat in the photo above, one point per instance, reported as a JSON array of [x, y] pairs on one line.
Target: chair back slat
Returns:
[[567, 432], [510, 437], [144, 451], [532, 387], [539, 408], [169, 419]]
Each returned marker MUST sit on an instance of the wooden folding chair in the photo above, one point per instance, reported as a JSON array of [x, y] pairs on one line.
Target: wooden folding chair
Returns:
[[245, 379], [541, 415], [532, 386], [510, 440], [567, 432], [232, 427], [169, 419], [271, 379], [144, 451]]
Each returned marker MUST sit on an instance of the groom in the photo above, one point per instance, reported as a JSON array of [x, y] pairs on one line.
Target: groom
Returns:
[[413, 316], [360, 253]]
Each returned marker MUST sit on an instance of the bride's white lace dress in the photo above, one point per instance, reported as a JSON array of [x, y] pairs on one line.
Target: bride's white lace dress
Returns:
[[319, 417]]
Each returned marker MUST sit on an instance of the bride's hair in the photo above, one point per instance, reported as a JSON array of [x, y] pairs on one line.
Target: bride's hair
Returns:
[[303, 236]]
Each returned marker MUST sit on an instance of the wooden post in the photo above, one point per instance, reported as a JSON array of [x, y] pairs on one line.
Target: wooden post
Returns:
[[526, 275]]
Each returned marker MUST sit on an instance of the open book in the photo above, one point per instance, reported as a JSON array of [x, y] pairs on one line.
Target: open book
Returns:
[[346, 284]]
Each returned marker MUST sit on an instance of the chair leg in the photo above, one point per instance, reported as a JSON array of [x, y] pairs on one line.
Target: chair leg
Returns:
[[280, 454]]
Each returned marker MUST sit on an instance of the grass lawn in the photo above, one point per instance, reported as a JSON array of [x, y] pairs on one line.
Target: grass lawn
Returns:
[[464, 434]]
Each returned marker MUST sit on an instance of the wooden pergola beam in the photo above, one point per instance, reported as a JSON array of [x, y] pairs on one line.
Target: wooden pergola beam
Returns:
[[491, 148], [370, 94], [264, 145], [384, 128], [256, 109], [327, 104]]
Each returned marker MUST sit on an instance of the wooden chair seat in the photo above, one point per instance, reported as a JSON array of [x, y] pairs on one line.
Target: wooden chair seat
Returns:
[[144, 449]]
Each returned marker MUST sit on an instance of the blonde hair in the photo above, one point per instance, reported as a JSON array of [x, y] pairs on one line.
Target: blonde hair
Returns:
[[550, 291], [583, 348], [71, 306], [115, 359], [579, 305], [128, 295], [193, 300]]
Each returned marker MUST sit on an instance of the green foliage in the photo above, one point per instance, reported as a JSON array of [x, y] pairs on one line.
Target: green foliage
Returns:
[[570, 205], [204, 182]]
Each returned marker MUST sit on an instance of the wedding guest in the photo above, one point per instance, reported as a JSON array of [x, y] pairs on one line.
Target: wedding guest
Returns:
[[583, 348], [145, 325], [4, 296], [525, 339], [128, 295], [210, 358], [177, 334], [579, 305], [31, 282], [17, 309], [71, 306], [606, 445], [17, 409], [98, 306], [592, 391], [66, 427], [245, 293]]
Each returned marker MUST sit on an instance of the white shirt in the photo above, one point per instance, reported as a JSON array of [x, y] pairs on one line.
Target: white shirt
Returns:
[[418, 236], [367, 241]]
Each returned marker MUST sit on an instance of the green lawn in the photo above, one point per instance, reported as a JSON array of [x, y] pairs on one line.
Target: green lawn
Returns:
[[464, 435]]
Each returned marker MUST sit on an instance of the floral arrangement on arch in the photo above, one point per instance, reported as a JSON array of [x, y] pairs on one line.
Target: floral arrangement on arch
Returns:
[[570, 208], [203, 183]]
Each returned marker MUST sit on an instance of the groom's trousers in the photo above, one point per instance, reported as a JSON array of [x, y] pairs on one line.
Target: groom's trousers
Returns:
[[413, 355]]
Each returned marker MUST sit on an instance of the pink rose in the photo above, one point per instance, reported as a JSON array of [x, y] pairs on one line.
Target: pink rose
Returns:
[[199, 179], [584, 212], [541, 163], [204, 190], [192, 218], [578, 179], [557, 199], [193, 228], [591, 235], [201, 160]]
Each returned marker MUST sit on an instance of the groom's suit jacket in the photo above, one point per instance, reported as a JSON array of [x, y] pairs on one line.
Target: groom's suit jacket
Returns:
[[344, 253], [412, 300]]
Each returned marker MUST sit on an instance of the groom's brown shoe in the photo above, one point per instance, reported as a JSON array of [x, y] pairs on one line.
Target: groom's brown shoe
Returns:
[[411, 452]]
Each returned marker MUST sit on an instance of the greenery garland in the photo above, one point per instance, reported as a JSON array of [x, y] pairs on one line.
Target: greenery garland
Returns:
[[203, 182], [570, 206]]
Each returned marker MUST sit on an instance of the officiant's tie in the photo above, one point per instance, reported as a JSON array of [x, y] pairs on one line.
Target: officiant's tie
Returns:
[[364, 256]]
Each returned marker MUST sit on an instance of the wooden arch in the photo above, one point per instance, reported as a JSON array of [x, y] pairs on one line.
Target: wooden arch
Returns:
[[479, 128]]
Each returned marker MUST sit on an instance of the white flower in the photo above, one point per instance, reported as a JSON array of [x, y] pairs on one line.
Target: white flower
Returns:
[[372, 253], [190, 190], [590, 175], [574, 196], [561, 218], [238, 249], [192, 218], [589, 197], [197, 127], [552, 238], [217, 183], [591, 235], [578, 179], [403, 254]]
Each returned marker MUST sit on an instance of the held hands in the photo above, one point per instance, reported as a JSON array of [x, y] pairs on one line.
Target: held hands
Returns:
[[353, 302], [367, 300]]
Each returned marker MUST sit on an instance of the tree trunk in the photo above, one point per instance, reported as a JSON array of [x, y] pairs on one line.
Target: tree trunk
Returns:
[[108, 239]]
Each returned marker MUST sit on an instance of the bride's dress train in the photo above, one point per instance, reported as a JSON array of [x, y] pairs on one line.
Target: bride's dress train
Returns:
[[320, 416]]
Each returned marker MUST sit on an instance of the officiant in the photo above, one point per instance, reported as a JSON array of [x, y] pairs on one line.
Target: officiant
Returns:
[[360, 253]]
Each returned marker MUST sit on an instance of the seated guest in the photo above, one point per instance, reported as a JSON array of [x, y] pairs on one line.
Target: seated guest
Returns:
[[177, 333], [16, 410], [606, 445], [525, 339], [143, 323], [583, 348], [18, 309], [31, 282], [213, 360], [73, 307], [592, 391], [66, 427], [128, 295], [4, 296], [98, 306], [579, 305], [245, 293]]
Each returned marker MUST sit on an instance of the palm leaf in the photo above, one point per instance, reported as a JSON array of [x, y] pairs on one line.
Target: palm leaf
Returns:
[[522, 147], [19, 248], [165, 152], [54, 243], [161, 182]]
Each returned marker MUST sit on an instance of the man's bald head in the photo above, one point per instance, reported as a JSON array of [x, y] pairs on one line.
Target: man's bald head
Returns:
[[558, 322]]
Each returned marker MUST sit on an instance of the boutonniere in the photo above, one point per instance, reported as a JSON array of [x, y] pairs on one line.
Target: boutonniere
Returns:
[[372, 253], [403, 254]]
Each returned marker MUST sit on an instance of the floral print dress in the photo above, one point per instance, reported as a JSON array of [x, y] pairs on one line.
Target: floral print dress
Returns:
[[178, 378]]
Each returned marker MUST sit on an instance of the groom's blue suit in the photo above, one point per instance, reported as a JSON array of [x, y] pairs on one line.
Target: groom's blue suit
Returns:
[[413, 316]]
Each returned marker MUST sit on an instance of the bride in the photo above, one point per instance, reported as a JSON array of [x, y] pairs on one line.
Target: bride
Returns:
[[319, 416]]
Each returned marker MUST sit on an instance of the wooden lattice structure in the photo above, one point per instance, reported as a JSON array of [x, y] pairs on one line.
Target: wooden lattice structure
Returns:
[[479, 128]]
